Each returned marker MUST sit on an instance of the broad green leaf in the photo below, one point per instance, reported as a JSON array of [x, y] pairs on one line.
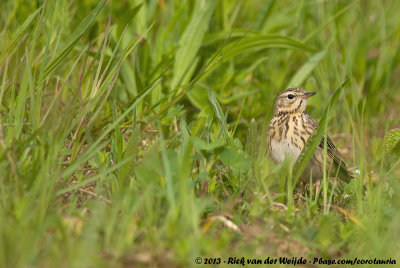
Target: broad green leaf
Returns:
[[242, 39], [201, 145], [213, 38], [199, 98], [236, 160], [191, 41], [150, 168], [324, 236], [252, 44], [198, 126], [239, 95]]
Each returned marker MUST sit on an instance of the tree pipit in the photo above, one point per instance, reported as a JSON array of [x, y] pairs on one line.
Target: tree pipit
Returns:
[[289, 130]]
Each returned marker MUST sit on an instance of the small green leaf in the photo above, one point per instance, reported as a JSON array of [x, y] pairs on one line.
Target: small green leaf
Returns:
[[392, 139], [201, 145], [251, 144], [236, 160], [216, 107], [219, 114], [130, 151], [198, 126], [325, 228]]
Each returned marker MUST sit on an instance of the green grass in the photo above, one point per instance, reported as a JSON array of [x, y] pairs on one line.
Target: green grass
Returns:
[[127, 135]]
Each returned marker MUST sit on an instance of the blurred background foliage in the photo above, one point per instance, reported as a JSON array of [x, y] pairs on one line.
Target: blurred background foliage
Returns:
[[127, 139]]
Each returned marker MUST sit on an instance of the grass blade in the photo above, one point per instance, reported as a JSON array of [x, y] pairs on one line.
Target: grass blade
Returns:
[[219, 114], [191, 41], [315, 138], [306, 69], [20, 33], [93, 148], [74, 37]]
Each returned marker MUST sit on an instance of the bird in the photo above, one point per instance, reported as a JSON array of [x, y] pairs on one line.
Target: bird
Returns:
[[289, 130]]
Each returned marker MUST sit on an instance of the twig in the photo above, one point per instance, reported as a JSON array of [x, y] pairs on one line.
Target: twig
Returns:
[[95, 195]]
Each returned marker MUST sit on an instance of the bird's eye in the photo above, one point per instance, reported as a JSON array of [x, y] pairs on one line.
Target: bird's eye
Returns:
[[290, 96]]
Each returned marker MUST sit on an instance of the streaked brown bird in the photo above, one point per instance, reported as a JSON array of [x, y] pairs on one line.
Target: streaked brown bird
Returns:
[[289, 130]]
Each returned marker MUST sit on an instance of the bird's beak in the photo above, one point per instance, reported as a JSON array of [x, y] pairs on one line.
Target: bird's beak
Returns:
[[308, 94]]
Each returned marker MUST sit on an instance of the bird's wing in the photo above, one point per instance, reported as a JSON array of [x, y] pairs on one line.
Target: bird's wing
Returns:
[[333, 153]]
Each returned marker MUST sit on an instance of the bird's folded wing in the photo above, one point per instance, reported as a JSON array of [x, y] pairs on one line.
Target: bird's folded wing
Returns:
[[333, 153]]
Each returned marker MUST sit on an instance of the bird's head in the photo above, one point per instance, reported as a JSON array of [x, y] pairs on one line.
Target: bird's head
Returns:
[[291, 100]]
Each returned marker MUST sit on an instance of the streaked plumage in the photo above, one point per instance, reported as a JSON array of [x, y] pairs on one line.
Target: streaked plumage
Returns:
[[289, 130]]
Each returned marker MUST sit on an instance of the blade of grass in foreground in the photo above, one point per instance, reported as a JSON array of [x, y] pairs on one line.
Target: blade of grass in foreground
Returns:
[[315, 138]]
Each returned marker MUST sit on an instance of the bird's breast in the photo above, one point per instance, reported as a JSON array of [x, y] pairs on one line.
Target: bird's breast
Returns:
[[285, 138], [282, 148]]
